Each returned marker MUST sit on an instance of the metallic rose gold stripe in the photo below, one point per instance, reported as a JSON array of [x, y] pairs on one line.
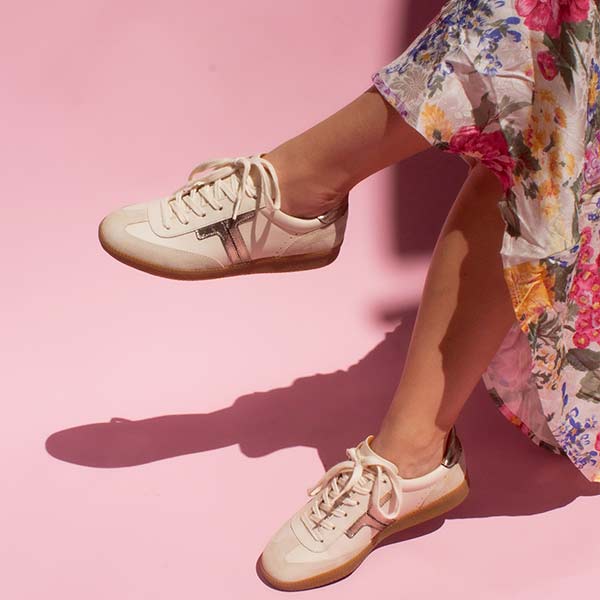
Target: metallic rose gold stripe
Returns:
[[367, 520], [222, 231], [385, 498], [230, 236], [239, 243], [230, 247]]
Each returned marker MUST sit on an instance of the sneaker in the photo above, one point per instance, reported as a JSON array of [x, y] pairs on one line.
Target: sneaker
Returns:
[[221, 223], [355, 506]]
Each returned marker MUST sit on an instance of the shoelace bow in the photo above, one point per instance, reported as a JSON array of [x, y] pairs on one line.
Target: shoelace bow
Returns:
[[220, 179], [339, 487]]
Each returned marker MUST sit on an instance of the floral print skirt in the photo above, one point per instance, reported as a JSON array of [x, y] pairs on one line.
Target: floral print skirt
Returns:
[[515, 85]]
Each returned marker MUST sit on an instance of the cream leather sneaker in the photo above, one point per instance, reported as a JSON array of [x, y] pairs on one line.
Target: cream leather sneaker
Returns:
[[221, 223], [354, 507]]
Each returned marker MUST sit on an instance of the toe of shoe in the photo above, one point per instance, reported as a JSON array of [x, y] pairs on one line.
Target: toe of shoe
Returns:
[[112, 230], [288, 565], [147, 251], [275, 567]]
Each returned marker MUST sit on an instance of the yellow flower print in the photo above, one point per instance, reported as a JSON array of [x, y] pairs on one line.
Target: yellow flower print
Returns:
[[593, 89], [539, 140], [547, 96], [549, 207], [435, 118], [554, 165], [560, 116], [570, 164], [549, 188], [557, 137], [532, 291]]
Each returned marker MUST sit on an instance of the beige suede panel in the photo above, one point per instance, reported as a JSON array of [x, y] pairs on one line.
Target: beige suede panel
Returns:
[[114, 236]]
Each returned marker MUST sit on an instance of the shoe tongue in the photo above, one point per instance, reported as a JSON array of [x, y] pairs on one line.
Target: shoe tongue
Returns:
[[364, 450]]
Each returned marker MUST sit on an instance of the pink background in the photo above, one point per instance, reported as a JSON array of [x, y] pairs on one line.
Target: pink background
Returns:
[[156, 433]]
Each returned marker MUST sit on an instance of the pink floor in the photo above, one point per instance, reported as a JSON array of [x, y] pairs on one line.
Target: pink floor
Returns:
[[155, 433]]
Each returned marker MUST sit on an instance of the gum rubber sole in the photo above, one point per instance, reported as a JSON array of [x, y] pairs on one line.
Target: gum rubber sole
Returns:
[[275, 264], [435, 509]]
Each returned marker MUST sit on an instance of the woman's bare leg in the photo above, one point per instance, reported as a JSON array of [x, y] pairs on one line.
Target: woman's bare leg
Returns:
[[317, 168], [465, 309], [464, 314]]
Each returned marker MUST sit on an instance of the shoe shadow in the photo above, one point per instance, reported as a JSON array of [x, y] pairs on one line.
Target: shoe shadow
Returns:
[[330, 412]]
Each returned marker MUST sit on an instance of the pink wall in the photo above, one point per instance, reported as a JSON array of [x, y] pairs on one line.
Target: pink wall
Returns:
[[155, 433]]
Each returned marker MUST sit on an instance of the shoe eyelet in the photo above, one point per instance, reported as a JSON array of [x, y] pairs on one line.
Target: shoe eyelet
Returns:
[[203, 215], [221, 208]]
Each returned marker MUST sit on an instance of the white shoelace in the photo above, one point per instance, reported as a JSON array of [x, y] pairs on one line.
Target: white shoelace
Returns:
[[214, 181], [340, 486]]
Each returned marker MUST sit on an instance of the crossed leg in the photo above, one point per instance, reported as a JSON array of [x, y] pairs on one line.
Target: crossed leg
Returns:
[[465, 310]]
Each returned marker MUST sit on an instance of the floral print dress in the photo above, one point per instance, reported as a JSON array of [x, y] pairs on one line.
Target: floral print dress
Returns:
[[515, 84]]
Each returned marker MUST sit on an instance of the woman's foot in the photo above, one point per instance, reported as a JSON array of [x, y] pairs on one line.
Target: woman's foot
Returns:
[[228, 219], [355, 506], [413, 452]]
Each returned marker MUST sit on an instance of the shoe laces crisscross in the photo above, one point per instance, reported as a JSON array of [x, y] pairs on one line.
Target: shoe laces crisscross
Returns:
[[216, 181], [343, 485]]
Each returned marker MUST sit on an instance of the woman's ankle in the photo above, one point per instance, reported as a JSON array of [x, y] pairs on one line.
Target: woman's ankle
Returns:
[[413, 456], [306, 191]]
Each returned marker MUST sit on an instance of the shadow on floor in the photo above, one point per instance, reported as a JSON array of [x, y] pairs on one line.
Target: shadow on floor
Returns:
[[329, 412]]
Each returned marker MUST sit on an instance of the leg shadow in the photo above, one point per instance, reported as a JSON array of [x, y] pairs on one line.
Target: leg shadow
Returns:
[[509, 474]]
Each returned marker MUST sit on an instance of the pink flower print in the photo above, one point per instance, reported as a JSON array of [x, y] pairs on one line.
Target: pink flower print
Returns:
[[585, 236], [581, 339], [547, 15], [593, 334], [490, 148], [574, 11], [586, 253], [585, 290], [582, 298], [595, 320], [583, 322], [540, 15], [591, 168], [547, 65], [597, 444]]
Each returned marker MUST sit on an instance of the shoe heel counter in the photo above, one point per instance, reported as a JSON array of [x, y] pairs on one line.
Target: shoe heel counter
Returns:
[[457, 470], [455, 460], [323, 239], [340, 224], [455, 457]]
